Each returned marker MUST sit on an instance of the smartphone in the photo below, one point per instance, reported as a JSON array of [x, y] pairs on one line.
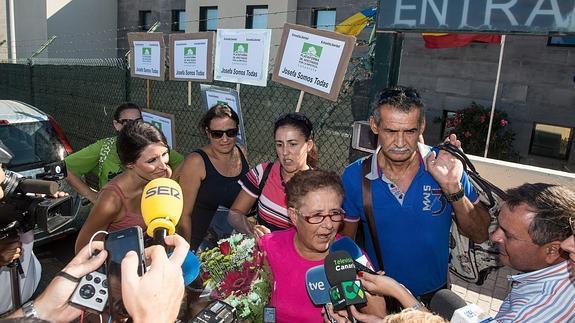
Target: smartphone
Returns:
[[362, 138], [118, 244]]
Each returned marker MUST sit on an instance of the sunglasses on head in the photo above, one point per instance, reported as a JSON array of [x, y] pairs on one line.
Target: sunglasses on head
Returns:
[[217, 134], [124, 121]]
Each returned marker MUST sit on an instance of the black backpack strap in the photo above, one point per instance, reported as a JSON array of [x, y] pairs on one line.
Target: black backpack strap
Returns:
[[265, 175], [368, 208]]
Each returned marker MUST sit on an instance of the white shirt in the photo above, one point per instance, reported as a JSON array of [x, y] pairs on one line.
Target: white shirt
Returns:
[[29, 281]]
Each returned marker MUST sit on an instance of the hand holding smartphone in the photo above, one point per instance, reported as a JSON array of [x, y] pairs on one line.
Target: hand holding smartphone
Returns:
[[118, 244]]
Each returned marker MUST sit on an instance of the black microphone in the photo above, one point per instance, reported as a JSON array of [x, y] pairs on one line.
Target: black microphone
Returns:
[[346, 290], [445, 303], [38, 186]]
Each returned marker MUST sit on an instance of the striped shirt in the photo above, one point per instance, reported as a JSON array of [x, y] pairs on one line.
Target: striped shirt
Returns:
[[545, 295], [272, 209]]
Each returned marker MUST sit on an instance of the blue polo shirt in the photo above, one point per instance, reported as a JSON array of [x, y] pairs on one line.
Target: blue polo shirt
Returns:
[[412, 227]]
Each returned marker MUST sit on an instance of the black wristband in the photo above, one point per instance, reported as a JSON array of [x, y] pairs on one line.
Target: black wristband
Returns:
[[455, 196]]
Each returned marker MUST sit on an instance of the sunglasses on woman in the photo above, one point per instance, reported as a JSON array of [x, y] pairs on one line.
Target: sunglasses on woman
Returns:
[[217, 134], [124, 121]]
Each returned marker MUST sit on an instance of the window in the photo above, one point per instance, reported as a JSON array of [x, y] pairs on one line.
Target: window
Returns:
[[208, 18], [551, 141], [178, 20], [256, 17], [324, 19], [145, 20], [567, 41]]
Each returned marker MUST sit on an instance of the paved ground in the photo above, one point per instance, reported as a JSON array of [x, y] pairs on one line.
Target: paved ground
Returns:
[[488, 296]]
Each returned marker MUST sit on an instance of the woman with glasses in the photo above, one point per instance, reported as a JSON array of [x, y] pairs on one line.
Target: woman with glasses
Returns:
[[101, 159], [314, 200], [209, 176], [144, 154], [265, 184]]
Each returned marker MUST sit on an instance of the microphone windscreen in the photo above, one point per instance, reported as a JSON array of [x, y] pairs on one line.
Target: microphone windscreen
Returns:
[[317, 285], [445, 303], [339, 267], [38, 186], [162, 204], [190, 268], [348, 245]]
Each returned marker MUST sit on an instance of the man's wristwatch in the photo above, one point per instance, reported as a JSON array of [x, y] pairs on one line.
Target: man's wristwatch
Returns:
[[455, 196], [29, 311]]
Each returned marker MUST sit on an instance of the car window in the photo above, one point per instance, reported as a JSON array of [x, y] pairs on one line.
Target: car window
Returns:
[[32, 144]]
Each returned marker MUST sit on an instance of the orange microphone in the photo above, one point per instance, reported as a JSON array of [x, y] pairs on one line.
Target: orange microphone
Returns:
[[162, 204]]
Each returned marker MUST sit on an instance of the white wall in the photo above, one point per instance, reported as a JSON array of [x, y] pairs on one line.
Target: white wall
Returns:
[[236, 9], [85, 28], [29, 26]]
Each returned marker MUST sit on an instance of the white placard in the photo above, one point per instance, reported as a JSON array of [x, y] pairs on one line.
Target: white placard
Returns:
[[311, 60], [162, 121], [242, 56], [147, 58], [190, 59], [216, 95]]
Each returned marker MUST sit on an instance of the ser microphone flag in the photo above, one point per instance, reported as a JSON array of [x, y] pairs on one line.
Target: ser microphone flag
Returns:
[[162, 204]]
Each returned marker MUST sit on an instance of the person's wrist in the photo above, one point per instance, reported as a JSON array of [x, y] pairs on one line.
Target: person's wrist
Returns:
[[452, 188]]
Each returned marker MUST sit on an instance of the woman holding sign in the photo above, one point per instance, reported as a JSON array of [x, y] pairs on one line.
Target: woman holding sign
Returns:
[[265, 184], [209, 176], [144, 154]]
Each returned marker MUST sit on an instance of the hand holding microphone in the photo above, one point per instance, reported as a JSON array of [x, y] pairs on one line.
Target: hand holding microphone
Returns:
[[162, 204]]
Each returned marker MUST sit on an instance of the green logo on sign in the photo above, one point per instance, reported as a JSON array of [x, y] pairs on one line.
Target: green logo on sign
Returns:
[[146, 51], [311, 49], [157, 124], [240, 48], [189, 51]]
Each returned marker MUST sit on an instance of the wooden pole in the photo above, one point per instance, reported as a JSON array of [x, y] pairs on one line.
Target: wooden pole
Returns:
[[148, 94], [189, 93], [299, 101]]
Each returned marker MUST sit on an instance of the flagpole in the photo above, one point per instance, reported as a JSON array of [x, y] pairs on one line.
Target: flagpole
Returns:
[[494, 101]]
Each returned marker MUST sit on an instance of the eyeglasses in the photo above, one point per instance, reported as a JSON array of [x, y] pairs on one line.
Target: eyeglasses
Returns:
[[335, 216], [124, 121], [217, 134]]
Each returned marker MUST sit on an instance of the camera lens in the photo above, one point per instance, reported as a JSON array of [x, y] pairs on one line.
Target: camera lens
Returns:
[[87, 291]]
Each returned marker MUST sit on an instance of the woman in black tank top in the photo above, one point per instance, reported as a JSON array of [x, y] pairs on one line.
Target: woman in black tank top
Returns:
[[209, 176]]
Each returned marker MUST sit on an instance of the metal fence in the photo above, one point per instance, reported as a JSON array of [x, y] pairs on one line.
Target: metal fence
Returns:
[[82, 96]]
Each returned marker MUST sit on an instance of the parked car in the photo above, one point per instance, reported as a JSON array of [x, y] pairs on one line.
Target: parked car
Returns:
[[37, 141]]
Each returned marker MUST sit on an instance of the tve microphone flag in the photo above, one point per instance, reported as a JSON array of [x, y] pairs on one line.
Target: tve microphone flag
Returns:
[[317, 285], [348, 245]]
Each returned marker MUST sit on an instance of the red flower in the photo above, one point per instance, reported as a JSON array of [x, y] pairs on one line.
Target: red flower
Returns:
[[482, 118], [504, 122], [238, 282], [467, 134], [225, 248]]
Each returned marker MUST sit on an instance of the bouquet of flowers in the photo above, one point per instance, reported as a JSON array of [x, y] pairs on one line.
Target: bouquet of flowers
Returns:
[[235, 273]]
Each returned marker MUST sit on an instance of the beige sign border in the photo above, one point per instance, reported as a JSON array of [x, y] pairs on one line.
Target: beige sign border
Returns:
[[211, 37], [143, 36], [341, 66]]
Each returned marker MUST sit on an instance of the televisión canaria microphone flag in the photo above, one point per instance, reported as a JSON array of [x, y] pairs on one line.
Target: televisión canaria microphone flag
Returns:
[[355, 24], [438, 40]]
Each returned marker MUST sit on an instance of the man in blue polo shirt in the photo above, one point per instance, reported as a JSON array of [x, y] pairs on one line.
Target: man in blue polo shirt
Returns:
[[413, 196]]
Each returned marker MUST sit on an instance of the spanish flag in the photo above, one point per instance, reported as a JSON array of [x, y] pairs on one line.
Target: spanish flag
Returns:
[[433, 40], [355, 24]]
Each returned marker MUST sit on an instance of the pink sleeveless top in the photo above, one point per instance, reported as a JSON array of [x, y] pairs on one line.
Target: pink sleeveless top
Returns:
[[129, 219]]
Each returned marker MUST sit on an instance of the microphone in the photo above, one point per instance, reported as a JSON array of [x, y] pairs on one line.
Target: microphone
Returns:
[[346, 290], [318, 288], [359, 259], [451, 307], [162, 204]]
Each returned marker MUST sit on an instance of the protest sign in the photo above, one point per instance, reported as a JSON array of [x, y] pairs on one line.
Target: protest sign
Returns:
[[191, 57], [147, 59], [164, 122], [313, 60], [242, 56], [213, 95]]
